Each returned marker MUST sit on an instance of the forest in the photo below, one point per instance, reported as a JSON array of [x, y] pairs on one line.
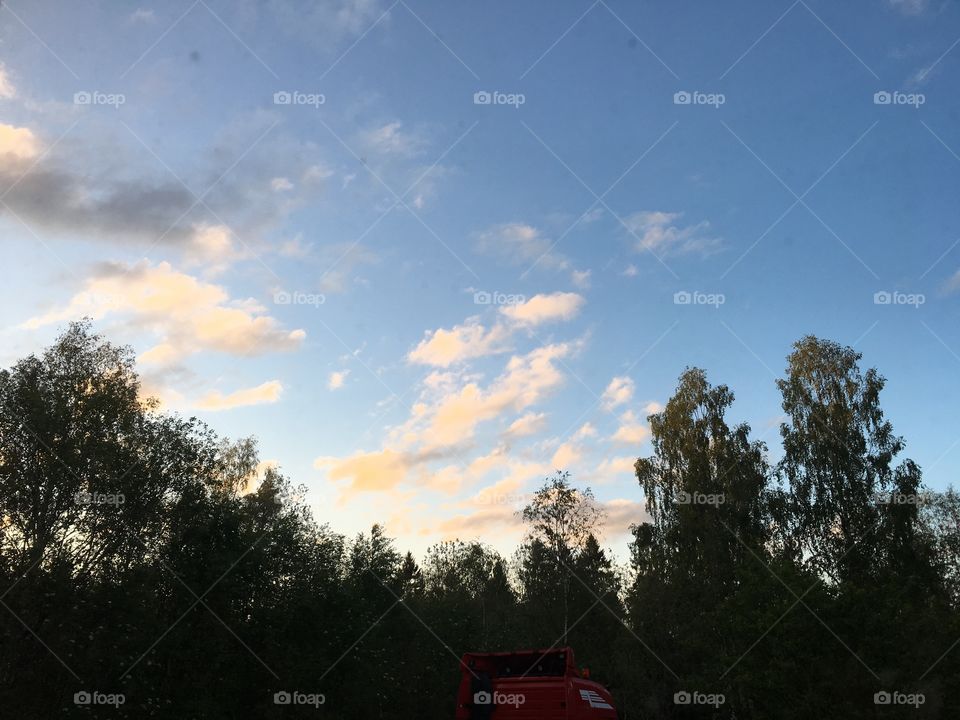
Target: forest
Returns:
[[139, 563]]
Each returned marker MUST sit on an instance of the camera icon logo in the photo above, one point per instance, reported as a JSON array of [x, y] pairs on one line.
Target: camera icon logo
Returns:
[[282, 98], [682, 298], [82, 98], [482, 698], [682, 698], [281, 297], [682, 98], [282, 698], [882, 297], [482, 297], [882, 97], [882, 698], [82, 698], [482, 97]]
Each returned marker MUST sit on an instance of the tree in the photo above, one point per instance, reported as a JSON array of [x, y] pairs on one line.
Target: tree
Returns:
[[561, 520], [838, 464]]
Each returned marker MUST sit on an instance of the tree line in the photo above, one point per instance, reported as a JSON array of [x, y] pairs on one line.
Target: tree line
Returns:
[[141, 576]]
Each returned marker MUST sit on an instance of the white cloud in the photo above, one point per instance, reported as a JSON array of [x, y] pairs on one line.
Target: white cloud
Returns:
[[631, 431], [143, 15], [212, 247], [443, 348], [7, 90], [528, 424], [660, 233], [567, 455], [391, 139], [337, 379], [630, 271], [910, 7], [186, 314], [619, 391], [18, 141], [268, 392], [616, 468], [526, 380], [519, 243], [281, 184], [953, 284], [545, 308], [581, 278]]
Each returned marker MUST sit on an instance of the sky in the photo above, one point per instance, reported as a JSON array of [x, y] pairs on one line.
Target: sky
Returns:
[[429, 252]]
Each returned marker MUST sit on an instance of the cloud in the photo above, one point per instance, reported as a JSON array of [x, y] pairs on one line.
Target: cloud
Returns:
[[631, 431], [621, 513], [660, 233], [498, 521], [953, 284], [910, 7], [337, 379], [519, 243], [443, 348], [545, 308], [368, 471], [619, 391], [7, 90], [19, 142], [566, 456], [616, 468], [391, 139], [527, 380], [528, 424], [212, 247], [109, 189], [281, 184], [324, 22], [186, 314], [580, 278], [630, 271], [142, 15], [471, 340], [340, 262], [444, 420], [268, 392]]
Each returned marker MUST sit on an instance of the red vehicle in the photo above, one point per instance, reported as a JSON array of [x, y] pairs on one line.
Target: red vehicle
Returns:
[[530, 684]]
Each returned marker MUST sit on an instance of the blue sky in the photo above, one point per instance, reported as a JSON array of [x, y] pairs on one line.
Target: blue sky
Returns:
[[316, 272]]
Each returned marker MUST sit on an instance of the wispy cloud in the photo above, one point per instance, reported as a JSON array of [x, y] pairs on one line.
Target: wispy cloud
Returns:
[[664, 234]]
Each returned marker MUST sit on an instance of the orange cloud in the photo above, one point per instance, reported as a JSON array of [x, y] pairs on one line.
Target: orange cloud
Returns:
[[268, 392], [17, 141], [187, 314]]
